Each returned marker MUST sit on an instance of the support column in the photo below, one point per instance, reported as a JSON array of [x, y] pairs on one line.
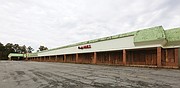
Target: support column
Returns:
[[124, 57], [26, 57], [64, 57], [95, 58], [77, 58], [176, 56], [10, 58], [159, 57], [40, 59], [49, 60]]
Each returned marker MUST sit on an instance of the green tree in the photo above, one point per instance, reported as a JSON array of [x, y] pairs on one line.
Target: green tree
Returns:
[[9, 48], [23, 49], [5, 50], [16, 48], [30, 49], [41, 48], [2, 49]]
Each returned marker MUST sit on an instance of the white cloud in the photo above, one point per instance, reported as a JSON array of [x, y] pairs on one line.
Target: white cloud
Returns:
[[54, 23]]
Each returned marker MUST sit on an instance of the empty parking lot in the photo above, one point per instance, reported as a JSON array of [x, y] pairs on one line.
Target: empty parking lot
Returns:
[[21, 74]]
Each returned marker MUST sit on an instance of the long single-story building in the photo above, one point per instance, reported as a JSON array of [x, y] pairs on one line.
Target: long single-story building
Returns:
[[16, 56], [151, 47]]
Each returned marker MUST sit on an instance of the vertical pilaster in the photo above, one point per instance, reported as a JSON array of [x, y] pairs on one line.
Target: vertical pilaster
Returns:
[[40, 59], [64, 57], [26, 57], [56, 58], [159, 57], [49, 59], [109, 59], [77, 58], [95, 58], [124, 57]]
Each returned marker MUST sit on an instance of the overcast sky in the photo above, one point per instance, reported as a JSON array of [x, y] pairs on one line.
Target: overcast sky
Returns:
[[54, 23]]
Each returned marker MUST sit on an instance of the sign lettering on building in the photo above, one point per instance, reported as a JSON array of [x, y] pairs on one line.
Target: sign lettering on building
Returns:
[[84, 47]]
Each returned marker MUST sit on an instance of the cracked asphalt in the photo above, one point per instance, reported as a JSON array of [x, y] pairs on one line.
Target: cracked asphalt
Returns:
[[22, 74]]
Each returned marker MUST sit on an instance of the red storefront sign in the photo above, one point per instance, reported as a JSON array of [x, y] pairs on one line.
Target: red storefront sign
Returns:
[[84, 47]]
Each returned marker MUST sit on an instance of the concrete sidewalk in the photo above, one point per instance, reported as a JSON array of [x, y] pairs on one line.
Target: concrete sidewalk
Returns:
[[20, 74]]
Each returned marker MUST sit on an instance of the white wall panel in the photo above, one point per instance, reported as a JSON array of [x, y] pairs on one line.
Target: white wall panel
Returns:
[[115, 44]]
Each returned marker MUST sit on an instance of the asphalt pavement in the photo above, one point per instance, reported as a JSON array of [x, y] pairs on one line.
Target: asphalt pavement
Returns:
[[22, 74]]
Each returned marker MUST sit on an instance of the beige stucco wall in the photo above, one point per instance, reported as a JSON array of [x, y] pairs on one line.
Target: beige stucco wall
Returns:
[[109, 45], [115, 44]]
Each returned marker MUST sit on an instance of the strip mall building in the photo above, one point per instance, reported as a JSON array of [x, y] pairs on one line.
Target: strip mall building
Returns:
[[151, 47]]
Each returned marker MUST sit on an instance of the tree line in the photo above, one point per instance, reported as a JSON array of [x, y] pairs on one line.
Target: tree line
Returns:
[[8, 48]]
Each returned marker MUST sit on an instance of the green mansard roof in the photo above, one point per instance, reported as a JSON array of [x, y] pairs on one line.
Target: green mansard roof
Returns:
[[150, 34], [173, 36]]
